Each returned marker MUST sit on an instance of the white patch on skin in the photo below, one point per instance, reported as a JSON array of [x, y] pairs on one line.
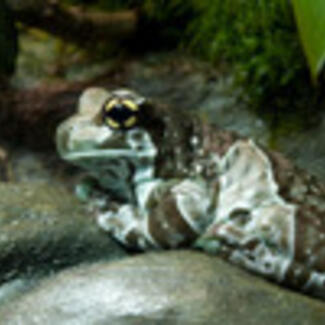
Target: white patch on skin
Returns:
[[198, 168], [316, 284], [195, 141], [91, 99], [145, 230], [247, 184], [140, 141], [201, 152], [179, 165], [143, 191], [125, 220], [262, 260], [193, 202], [103, 220], [308, 251], [128, 217], [312, 259], [128, 93]]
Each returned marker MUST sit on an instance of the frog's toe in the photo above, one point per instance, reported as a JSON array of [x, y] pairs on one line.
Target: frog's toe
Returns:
[[109, 222]]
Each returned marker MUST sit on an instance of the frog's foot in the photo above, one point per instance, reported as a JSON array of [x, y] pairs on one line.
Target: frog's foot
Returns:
[[87, 189], [128, 226]]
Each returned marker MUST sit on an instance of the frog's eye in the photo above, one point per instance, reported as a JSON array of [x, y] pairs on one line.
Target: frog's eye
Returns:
[[120, 114]]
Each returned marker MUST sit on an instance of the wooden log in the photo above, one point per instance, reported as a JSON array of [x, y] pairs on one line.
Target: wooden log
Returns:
[[74, 24]]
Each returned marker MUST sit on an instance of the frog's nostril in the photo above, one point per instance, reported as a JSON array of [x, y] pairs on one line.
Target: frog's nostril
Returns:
[[140, 141], [137, 140], [139, 147]]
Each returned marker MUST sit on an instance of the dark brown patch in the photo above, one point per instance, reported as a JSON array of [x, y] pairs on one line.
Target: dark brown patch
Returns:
[[166, 222], [297, 275], [132, 237], [217, 140], [310, 238]]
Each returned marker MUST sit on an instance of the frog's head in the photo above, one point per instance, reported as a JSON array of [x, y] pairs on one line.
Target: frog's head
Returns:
[[122, 138], [105, 137]]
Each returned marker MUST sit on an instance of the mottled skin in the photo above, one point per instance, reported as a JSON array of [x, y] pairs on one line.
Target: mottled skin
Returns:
[[174, 180]]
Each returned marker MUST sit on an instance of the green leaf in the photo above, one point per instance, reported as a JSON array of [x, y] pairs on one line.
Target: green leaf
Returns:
[[310, 17]]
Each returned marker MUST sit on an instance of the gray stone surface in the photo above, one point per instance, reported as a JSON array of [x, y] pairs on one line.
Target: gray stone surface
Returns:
[[43, 228], [179, 287]]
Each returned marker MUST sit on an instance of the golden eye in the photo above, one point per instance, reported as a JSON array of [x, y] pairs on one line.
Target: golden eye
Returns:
[[119, 113], [110, 105], [113, 124], [131, 105], [130, 122]]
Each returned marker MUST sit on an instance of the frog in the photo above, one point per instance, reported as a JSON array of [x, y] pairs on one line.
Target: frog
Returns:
[[165, 178]]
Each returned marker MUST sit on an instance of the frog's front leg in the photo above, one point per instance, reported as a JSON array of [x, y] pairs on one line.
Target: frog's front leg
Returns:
[[128, 225], [170, 214], [87, 189]]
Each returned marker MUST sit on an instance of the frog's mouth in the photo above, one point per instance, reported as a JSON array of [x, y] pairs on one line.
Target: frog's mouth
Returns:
[[132, 156], [131, 152], [101, 144], [104, 154]]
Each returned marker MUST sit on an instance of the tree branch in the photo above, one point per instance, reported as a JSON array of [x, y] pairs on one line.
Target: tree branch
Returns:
[[75, 24]]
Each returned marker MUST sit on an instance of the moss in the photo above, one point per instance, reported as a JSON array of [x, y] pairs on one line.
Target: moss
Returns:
[[260, 41]]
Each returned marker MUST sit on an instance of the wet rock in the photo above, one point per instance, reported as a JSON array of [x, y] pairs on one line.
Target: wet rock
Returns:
[[43, 228], [166, 288], [12, 289]]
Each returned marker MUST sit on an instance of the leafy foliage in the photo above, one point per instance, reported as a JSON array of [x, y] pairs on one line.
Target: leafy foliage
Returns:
[[311, 22], [258, 39]]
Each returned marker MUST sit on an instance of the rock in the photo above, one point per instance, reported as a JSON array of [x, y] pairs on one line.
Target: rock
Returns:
[[178, 287], [12, 289], [43, 228]]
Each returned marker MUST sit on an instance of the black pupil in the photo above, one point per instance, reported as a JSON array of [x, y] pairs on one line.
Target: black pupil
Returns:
[[120, 113]]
